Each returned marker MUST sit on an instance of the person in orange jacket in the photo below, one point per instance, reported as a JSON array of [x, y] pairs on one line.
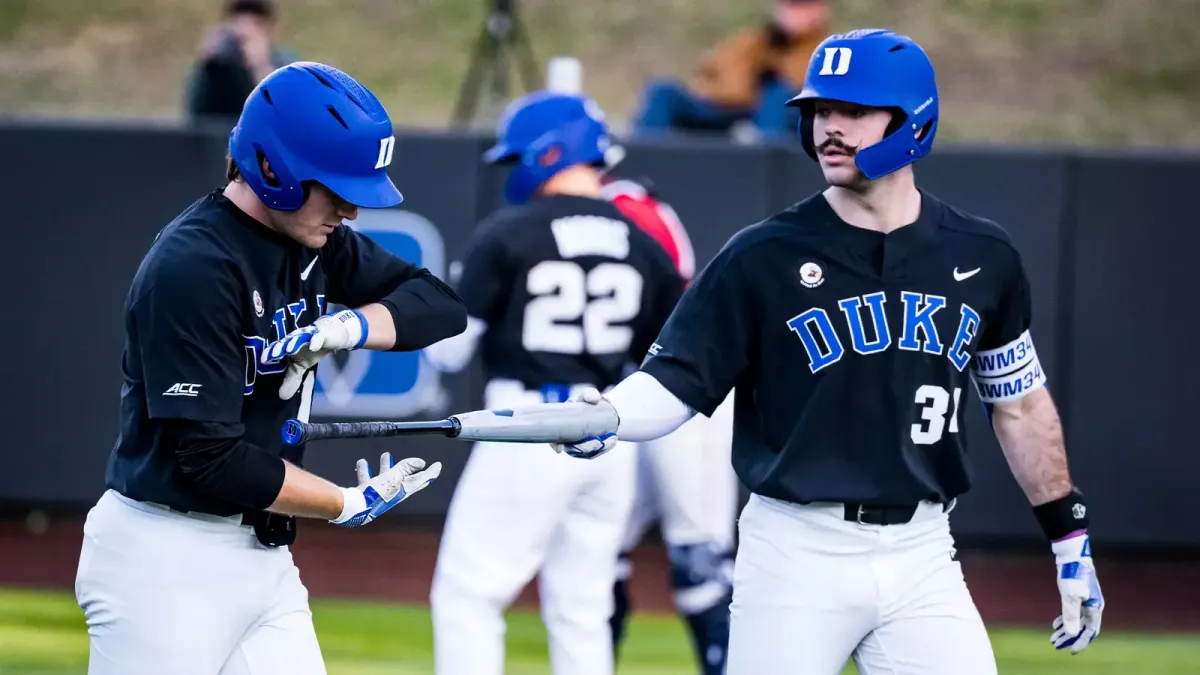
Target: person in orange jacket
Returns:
[[748, 76]]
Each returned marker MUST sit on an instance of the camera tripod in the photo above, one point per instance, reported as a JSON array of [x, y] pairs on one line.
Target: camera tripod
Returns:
[[503, 36]]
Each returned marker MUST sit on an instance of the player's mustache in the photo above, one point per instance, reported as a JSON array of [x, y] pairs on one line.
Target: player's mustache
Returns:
[[835, 142]]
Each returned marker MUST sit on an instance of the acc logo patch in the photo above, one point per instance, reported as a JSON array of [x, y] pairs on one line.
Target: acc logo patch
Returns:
[[385, 385], [258, 306]]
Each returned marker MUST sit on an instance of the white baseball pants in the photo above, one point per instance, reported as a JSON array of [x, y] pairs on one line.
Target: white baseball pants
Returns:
[[685, 482], [520, 509], [165, 592], [812, 590]]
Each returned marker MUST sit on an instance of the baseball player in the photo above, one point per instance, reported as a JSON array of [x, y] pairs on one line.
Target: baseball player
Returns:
[[185, 566], [562, 290], [852, 325], [684, 480]]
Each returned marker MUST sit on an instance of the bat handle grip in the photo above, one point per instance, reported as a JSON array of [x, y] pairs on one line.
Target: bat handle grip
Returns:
[[295, 432]]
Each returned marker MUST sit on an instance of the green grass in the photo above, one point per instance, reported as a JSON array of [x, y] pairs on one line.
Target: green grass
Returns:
[[42, 633], [1066, 72]]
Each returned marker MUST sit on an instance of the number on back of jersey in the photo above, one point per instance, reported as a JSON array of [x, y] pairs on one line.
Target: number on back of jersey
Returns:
[[576, 312]]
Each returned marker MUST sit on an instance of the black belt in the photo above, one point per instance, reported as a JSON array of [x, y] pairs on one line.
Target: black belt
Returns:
[[868, 514]]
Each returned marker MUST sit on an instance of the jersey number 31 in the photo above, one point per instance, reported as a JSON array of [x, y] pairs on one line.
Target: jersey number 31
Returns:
[[611, 293]]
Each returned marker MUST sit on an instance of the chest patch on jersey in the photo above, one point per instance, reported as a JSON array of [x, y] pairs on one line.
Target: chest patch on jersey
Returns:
[[811, 275]]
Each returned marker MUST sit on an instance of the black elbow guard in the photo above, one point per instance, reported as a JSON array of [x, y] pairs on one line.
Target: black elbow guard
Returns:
[[424, 311], [231, 470], [1062, 516]]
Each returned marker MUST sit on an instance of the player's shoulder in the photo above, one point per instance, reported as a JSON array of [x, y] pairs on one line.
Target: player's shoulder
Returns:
[[805, 220], [963, 223], [190, 254]]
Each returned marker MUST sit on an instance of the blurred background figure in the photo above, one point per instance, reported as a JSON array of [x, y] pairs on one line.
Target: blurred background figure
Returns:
[[235, 56], [746, 78]]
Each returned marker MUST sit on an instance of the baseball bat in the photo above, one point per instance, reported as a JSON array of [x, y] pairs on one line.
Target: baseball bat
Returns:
[[542, 423]]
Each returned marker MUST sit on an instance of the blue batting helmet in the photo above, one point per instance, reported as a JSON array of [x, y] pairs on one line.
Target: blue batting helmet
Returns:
[[312, 122], [543, 133], [879, 69]]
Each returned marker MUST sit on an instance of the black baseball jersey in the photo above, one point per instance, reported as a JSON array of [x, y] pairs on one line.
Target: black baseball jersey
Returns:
[[571, 291], [852, 350], [213, 291]]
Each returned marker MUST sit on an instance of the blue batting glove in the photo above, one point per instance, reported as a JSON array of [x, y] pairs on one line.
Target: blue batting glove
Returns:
[[375, 496], [305, 347], [1082, 601]]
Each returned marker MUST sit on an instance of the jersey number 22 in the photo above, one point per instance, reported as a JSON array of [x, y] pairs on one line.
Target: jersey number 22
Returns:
[[611, 293]]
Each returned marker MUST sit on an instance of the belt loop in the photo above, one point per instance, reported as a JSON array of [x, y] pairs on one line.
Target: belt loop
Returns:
[[860, 515]]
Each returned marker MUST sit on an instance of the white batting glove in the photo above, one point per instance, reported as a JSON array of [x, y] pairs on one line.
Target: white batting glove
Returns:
[[375, 496], [305, 347], [594, 446], [1082, 602]]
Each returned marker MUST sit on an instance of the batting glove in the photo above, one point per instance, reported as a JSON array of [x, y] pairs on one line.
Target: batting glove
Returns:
[[305, 347], [1082, 602], [375, 496], [594, 446]]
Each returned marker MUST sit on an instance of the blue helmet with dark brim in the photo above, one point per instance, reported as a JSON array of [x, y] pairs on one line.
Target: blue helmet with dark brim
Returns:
[[880, 69], [541, 134], [313, 122]]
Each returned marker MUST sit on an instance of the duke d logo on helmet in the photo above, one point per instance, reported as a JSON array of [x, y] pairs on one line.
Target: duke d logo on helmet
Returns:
[[837, 61]]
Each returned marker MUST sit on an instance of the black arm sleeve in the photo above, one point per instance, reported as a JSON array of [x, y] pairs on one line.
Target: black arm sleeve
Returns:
[[214, 460], [487, 275], [424, 309], [706, 344]]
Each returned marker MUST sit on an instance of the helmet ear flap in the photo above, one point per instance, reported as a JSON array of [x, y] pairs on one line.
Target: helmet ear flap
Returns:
[[806, 135]]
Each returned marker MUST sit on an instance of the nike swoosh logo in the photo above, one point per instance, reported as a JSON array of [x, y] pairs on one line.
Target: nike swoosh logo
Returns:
[[304, 274], [959, 276]]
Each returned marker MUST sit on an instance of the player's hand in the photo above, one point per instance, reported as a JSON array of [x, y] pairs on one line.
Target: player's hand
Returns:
[[594, 446], [374, 496], [1082, 602], [304, 347]]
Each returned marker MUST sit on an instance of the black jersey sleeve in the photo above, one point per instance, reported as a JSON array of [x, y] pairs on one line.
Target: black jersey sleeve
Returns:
[[188, 331], [705, 345], [487, 274], [360, 272], [1006, 365], [1014, 311]]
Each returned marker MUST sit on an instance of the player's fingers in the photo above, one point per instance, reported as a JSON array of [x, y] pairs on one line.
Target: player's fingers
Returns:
[[411, 465], [274, 351], [296, 341], [385, 462], [292, 377], [317, 341], [362, 471], [1070, 616], [431, 474]]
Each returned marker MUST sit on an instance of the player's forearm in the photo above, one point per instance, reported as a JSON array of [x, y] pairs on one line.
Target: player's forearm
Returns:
[[381, 329], [647, 410], [1031, 437], [307, 495]]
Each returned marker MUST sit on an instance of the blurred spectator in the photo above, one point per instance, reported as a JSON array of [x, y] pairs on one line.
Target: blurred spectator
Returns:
[[745, 80], [235, 56]]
